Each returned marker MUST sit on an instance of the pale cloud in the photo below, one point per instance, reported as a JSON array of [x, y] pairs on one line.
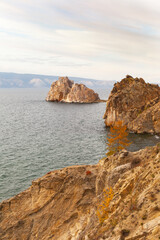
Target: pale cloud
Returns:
[[99, 39], [88, 83], [49, 80], [37, 83]]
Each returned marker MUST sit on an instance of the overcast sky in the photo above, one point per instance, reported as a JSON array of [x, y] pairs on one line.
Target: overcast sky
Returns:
[[100, 39]]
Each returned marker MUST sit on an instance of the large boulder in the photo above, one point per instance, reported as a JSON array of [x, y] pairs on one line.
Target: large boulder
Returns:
[[136, 103], [65, 90]]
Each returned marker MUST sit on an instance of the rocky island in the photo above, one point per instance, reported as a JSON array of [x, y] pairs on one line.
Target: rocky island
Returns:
[[136, 103], [62, 205], [65, 90]]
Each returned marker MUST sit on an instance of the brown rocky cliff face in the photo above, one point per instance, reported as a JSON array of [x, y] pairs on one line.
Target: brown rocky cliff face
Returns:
[[136, 104], [65, 90], [62, 204]]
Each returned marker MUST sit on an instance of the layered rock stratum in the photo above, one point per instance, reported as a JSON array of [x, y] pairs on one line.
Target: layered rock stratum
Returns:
[[65, 90], [136, 103], [62, 205]]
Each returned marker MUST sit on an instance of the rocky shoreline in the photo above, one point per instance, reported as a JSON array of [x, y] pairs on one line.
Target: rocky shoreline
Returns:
[[62, 204]]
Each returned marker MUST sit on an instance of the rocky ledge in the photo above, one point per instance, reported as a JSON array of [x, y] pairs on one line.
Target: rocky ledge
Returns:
[[65, 90], [136, 103], [62, 205]]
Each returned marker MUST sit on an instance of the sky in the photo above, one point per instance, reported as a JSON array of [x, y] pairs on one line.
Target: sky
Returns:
[[99, 39]]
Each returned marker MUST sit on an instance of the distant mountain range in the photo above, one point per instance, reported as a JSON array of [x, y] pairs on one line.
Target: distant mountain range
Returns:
[[16, 80]]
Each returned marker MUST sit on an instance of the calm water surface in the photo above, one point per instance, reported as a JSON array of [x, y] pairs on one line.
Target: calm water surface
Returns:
[[37, 136]]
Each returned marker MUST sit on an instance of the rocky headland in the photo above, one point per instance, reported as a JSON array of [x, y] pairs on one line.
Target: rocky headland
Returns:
[[62, 205], [65, 90], [136, 103]]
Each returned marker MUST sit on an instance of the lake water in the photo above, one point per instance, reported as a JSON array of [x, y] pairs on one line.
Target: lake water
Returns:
[[38, 136]]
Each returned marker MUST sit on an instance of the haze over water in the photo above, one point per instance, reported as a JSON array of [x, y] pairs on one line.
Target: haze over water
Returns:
[[38, 136]]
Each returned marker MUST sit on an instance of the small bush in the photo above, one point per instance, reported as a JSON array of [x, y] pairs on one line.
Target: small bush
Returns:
[[117, 138], [88, 172], [103, 209]]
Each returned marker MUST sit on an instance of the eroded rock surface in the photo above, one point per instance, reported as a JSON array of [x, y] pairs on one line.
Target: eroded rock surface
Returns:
[[136, 103], [65, 90], [62, 204]]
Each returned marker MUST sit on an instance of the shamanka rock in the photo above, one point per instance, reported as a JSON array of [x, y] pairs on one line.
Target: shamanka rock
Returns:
[[62, 205], [136, 103], [65, 90]]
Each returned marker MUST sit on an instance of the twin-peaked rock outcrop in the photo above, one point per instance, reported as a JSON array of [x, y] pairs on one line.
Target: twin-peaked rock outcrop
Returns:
[[65, 90], [136, 103]]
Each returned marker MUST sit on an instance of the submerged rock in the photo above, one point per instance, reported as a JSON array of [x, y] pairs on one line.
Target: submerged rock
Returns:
[[65, 90], [62, 205], [136, 103]]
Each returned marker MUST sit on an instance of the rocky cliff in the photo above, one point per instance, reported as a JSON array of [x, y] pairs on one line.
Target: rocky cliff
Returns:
[[62, 205], [65, 90], [136, 103]]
